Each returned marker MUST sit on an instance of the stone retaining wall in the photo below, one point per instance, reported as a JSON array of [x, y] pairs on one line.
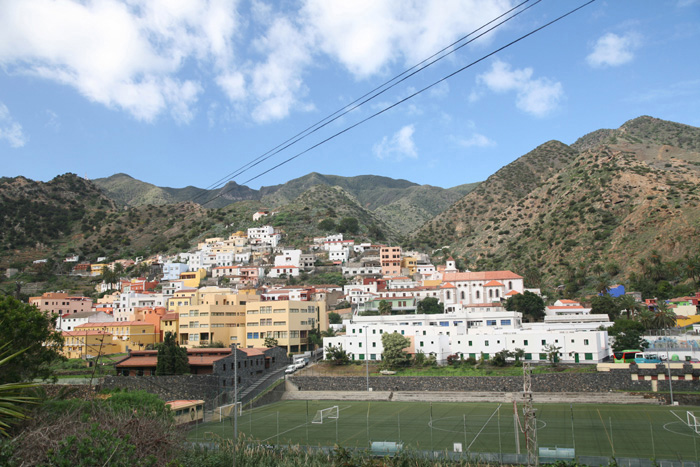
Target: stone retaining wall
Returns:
[[205, 387], [619, 379]]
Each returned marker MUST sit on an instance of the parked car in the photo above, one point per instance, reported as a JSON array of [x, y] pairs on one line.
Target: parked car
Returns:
[[290, 369]]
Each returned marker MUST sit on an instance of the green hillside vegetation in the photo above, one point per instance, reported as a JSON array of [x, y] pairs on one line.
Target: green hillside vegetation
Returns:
[[403, 205], [127, 191], [584, 214]]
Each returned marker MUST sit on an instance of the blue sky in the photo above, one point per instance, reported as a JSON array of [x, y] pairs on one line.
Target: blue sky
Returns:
[[184, 92]]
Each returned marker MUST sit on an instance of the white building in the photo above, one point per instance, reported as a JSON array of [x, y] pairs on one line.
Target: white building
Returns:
[[68, 322], [362, 269], [339, 253], [471, 333], [483, 287], [124, 309], [566, 308], [172, 271], [287, 271], [263, 236], [289, 258]]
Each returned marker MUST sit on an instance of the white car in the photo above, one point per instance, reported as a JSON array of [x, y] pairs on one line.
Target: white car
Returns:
[[290, 369]]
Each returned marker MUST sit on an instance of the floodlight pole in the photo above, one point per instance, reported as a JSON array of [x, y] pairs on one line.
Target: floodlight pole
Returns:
[[668, 366], [235, 401], [366, 355]]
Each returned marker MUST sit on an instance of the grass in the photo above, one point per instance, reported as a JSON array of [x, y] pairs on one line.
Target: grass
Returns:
[[643, 431]]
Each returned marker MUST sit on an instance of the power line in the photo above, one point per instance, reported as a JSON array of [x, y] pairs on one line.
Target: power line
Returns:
[[484, 57], [359, 101]]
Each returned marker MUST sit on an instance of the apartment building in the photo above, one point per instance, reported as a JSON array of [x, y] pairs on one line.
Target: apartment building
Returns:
[[61, 303], [390, 259], [214, 317], [289, 322]]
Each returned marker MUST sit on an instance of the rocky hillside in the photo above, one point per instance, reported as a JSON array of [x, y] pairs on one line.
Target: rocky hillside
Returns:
[[608, 199]]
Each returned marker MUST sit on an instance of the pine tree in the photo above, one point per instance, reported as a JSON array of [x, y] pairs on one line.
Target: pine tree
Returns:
[[172, 359]]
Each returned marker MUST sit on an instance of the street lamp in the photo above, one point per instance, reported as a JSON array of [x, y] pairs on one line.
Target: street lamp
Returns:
[[366, 355]]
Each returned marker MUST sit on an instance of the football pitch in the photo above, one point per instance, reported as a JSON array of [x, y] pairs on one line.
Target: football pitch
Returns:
[[634, 431]]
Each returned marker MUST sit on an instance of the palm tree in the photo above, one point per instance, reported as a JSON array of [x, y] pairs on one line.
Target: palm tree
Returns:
[[629, 304], [664, 317], [12, 399], [646, 317]]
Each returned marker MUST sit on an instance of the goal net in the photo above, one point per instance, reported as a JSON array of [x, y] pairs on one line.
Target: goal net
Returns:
[[693, 421], [331, 413], [226, 411]]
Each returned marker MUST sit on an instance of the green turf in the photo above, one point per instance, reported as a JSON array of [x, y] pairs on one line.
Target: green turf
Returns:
[[641, 431]]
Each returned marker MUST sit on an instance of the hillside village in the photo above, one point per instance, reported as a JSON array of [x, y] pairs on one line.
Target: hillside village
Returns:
[[217, 295]]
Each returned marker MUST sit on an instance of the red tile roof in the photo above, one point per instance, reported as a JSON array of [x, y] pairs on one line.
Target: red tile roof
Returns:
[[493, 284], [480, 276]]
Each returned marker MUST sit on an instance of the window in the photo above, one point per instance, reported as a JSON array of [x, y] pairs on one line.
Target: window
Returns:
[[588, 356], [525, 342], [373, 356], [505, 322], [486, 343], [528, 356], [421, 343], [362, 356], [360, 344], [585, 342], [491, 322], [478, 295], [543, 356], [544, 342], [470, 343]]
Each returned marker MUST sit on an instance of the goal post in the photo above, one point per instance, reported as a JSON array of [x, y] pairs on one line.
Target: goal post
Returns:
[[226, 411], [331, 413], [693, 421]]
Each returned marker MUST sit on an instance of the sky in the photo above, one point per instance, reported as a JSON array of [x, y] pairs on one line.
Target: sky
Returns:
[[187, 92]]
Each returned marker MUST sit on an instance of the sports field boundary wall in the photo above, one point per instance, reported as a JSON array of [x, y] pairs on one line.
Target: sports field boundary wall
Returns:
[[618, 380]]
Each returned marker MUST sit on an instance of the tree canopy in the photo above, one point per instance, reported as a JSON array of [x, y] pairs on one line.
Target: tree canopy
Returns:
[[384, 307], [529, 304], [627, 334], [23, 326], [430, 306], [394, 344], [172, 359]]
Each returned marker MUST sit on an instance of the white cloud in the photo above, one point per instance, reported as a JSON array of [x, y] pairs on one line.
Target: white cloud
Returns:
[[122, 55], [538, 96], [613, 50], [400, 145], [277, 84], [52, 120], [367, 35], [10, 130], [157, 57], [475, 140]]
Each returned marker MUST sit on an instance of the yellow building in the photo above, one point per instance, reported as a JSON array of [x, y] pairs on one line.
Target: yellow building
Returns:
[[216, 317], [136, 335], [288, 322], [96, 269], [183, 297], [209, 295], [410, 263], [87, 343], [193, 278], [170, 323]]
